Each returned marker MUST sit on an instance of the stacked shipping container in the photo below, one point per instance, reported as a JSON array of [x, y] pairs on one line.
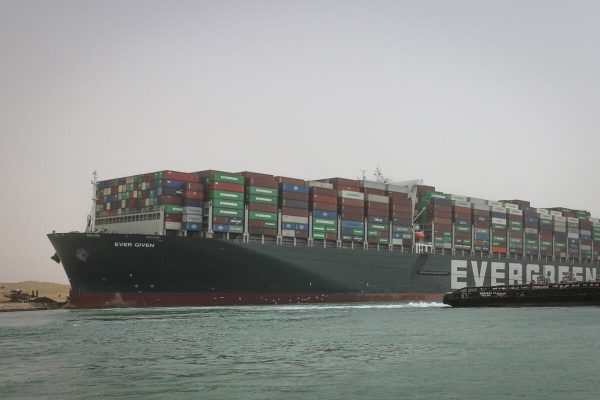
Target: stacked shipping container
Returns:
[[323, 204], [226, 192], [293, 200], [462, 222], [262, 200], [401, 215]]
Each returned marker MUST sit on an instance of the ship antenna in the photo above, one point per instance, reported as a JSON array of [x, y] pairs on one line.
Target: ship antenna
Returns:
[[91, 220]]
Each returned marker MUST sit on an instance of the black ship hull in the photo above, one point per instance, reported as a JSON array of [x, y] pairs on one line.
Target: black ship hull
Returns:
[[109, 270]]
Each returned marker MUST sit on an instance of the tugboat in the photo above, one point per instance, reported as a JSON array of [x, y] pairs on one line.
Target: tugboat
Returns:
[[540, 294]]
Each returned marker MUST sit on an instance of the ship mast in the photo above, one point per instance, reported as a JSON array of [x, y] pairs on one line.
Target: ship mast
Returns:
[[91, 219]]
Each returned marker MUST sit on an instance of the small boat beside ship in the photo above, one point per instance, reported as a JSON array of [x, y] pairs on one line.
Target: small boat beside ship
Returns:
[[530, 295]]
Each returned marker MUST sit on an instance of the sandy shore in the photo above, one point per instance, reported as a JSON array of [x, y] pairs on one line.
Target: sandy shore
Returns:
[[54, 291]]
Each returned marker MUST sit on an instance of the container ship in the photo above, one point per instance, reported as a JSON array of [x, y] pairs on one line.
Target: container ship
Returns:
[[213, 238]]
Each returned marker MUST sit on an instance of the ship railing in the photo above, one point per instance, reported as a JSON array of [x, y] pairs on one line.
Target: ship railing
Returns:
[[347, 245]]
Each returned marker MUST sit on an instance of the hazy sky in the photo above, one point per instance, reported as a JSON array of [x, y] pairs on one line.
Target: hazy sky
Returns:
[[492, 99]]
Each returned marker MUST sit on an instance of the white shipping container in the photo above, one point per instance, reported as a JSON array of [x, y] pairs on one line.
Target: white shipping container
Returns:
[[542, 211], [348, 194], [493, 203], [461, 203], [531, 230], [586, 232], [288, 233], [323, 185], [556, 213], [191, 218], [378, 198], [511, 206], [458, 197], [397, 241], [192, 210], [173, 226], [499, 221], [515, 212], [558, 218], [573, 235], [546, 217], [294, 220], [390, 187], [498, 209], [372, 185], [480, 206], [573, 220], [585, 247], [475, 200]]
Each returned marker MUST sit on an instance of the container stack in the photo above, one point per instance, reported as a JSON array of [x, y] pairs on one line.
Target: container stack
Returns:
[[462, 220], [437, 219], [572, 236], [585, 237], [226, 192], [546, 232], [262, 199], [481, 224], [531, 224], [515, 228], [499, 227], [323, 201], [401, 215], [559, 228], [293, 201], [193, 203], [595, 238], [351, 209], [377, 209]]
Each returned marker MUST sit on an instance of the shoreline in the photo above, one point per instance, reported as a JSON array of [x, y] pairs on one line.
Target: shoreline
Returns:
[[8, 306]]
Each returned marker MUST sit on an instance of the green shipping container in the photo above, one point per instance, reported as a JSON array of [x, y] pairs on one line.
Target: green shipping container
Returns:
[[172, 209], [224, 195], [357, 232], [318, 228], [228, 204], [384, 241], [225, 177], [262, 191], [318, 235], [227, 212], [325, 221], [462, 228], [258, 198], [330, 229], [263, 216], [378, 227]]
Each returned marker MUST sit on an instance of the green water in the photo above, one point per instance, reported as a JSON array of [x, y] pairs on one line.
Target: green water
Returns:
[[365, 351]]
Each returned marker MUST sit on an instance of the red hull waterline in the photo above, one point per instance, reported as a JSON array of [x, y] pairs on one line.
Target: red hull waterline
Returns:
[[129, 299]]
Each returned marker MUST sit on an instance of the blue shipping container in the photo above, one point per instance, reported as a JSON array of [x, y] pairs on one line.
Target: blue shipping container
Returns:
[[324, 214], [353, 224], [288, 187], [191, 226]]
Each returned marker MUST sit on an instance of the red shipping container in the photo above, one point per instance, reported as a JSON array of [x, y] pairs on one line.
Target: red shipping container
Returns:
[[377, 206], [346, 216], [323, 199], [257, 175], [344, 182], [330, 236], [499, 249], [295, 212], [323, 191], [378, 192], [377, 213], [351, 209], [293, 196], [172, 200], [261, 183], [173, 217], [351, 202], [262, 207], [291, 181], [196, 187], [324, 206], [188, 194], [181, 176], [226, 186]]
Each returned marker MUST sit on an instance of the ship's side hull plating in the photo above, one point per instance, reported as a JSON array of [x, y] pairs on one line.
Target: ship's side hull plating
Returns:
[[107, 270]]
